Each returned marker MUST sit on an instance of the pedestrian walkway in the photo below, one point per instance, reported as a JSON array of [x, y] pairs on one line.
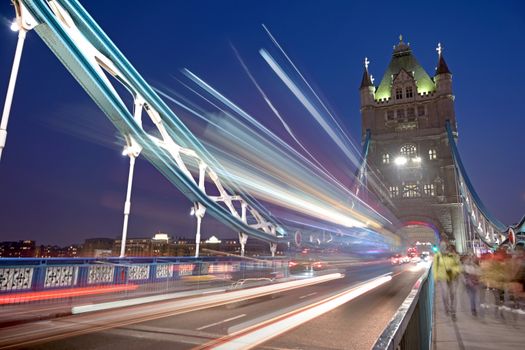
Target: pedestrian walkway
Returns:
[[493, 328]]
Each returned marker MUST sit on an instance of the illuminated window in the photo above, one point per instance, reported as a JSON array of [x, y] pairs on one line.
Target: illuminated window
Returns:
[[386, 158], [432, 154], [399, 93], [429, 190], [390, 115], [411, 190], [408, 150], [420, 111], [408, 92], [394, 191]]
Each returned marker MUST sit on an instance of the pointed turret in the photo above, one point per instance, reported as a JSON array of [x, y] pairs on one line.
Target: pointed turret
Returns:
[[404, 60], [366, 81], [442, 67], [443, 77], [367, 87]]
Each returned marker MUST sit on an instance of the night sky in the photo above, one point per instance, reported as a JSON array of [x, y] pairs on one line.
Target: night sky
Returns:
[[62, 175]]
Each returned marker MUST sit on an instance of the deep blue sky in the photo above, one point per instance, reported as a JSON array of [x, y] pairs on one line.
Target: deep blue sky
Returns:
[[57, 187]]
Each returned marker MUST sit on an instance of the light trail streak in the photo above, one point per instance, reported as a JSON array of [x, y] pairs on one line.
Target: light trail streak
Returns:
[[16, 298], [258, 334], [278, 115], [376, 181], [206, 301], [309, 106], [278, 45], [256, 124], [259, 153], [273, 164]]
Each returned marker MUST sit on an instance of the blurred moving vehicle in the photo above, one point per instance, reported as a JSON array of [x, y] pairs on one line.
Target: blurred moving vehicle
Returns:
[[306, 266], [396, 259], [425, 256]]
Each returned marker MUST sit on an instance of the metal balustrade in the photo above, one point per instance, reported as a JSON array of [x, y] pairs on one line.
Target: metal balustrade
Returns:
[[411, 326], [34, 279]]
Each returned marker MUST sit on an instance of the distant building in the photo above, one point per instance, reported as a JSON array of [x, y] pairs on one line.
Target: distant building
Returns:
[[54, 251], [102, 253], [255, 247], [92, 245], [159, 245], [18, 249]]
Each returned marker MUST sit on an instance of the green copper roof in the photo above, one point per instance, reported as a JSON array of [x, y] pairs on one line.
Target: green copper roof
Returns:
[[402, 58]]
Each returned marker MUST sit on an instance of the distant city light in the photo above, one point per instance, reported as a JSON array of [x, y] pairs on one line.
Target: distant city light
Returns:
[[14, 26], [416, 160], [161, 237], [213, 240], [400, 161]]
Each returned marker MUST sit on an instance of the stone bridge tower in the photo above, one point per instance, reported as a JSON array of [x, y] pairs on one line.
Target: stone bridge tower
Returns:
[[409, 160]]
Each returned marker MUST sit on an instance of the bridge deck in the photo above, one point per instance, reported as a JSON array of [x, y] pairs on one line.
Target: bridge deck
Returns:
[[486, 331]]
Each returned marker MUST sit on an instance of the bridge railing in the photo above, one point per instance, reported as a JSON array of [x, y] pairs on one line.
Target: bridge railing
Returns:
[[55, 279], [411, 326]]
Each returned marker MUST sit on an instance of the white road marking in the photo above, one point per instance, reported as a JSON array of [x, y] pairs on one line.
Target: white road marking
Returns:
[[308, 295], [221, 322], [214, 291], [281, 325]]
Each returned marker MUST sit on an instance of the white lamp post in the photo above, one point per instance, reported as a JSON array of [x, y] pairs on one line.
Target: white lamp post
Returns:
[[12, 83], [132, 151]]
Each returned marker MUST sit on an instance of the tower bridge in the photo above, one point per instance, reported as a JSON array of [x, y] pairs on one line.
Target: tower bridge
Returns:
[[410, 163], [410, 131]]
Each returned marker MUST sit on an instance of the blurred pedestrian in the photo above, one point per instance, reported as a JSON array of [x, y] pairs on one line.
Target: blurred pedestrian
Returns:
[[495, 275], [471, 275], [516, 285], [446, 273]]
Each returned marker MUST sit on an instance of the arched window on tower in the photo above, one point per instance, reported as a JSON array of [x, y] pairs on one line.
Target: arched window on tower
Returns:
[[408, 92], [432, 154], [399, 93], [429, 189], [394, 191], [408, 150], [411, 190]]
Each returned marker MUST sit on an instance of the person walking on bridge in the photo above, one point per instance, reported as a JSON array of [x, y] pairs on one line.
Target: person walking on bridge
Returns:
[[471, 274], [447, 269]]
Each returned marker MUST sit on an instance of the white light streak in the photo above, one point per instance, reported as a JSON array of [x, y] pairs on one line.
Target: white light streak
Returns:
[[282, 325]]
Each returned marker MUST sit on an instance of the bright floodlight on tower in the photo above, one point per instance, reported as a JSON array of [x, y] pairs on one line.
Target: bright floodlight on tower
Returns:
[[400, 160], [14, 26]]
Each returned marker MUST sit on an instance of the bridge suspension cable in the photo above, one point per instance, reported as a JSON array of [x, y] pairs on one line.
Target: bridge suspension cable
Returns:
[[486, 227], [92, 58]]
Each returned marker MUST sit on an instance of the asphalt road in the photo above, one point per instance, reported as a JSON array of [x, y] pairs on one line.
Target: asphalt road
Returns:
[[354, 325]]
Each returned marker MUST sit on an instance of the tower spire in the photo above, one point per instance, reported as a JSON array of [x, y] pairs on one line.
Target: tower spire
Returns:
[[442, 67], [366, 81]]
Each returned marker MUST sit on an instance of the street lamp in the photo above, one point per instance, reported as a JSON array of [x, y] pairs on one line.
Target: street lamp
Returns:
[[132, 150], [399, 161], [14, 26], [12, 82]]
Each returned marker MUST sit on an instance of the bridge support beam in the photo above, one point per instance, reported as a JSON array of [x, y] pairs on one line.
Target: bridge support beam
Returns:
[[198, 210], [11, 88], [127, 206], [243, 238], [273, 248]]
